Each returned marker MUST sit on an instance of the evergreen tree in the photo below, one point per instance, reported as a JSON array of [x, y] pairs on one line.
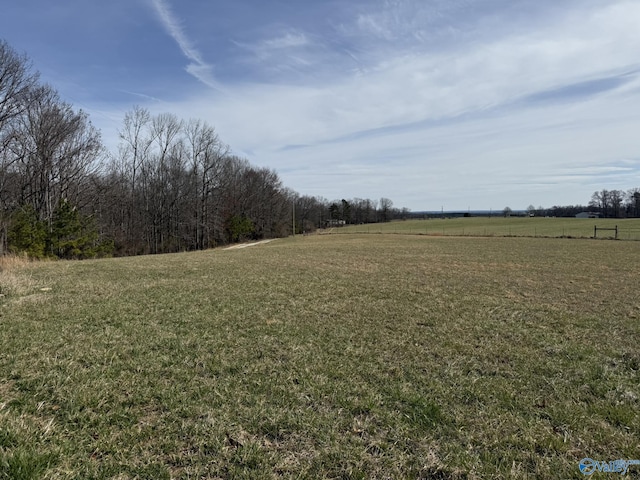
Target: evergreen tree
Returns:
[[240, 227], [26, 233], [72, 234]]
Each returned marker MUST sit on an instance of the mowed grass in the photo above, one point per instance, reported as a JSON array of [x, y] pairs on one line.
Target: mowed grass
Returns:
[[628, 228], [384, 356]]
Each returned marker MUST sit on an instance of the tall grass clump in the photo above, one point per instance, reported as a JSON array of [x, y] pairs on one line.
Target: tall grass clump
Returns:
[[14, 280]]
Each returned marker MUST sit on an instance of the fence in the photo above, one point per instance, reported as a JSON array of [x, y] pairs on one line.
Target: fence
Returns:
[[596, 228]]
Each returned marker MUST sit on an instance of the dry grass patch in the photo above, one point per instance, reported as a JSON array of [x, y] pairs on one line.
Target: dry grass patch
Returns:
[[15, 280]]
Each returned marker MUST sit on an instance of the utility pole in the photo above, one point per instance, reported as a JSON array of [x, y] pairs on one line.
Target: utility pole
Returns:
[[293, 216]]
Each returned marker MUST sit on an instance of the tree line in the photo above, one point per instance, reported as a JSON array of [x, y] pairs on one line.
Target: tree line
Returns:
[[616, 203], [172, 185], [605, 203]]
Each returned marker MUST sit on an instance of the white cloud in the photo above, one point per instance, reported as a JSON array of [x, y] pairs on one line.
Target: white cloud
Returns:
[[418, 86], [199, 69]]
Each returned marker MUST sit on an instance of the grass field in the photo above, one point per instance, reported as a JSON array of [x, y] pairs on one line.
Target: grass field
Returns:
[[349, 356], [628, 229]]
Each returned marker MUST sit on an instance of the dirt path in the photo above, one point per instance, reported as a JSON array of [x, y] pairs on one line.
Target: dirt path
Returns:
[[245, 245]]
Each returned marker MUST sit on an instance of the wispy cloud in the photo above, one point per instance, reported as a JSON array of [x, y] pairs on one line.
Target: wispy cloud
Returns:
[[288, 40], [289, 50], [142, 95], [407, 21], [198, 68]]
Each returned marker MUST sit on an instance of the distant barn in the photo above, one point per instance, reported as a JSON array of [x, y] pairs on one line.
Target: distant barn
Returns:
[[588, 215]]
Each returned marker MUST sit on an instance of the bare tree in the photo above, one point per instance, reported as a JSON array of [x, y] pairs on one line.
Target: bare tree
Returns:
[[207, 154], [137, 139], [16, 83], [56, 149], [309, 211], [601, 201], [633, 202], [616, 198], [163, 172], [385, 209]]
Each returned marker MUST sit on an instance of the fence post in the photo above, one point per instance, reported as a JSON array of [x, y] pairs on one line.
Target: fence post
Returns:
[[595, 231]]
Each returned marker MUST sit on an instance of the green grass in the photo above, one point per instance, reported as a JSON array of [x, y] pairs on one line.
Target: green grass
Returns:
[[629, 229], [359, 356]]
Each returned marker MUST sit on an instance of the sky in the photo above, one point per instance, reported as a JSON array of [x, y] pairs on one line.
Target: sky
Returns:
[[435, 104]]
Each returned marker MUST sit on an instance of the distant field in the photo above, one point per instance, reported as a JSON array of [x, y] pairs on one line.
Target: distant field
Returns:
[[629, 229], [348, 356]]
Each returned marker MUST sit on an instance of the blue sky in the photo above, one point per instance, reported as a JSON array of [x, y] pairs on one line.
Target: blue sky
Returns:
[[432, 103]]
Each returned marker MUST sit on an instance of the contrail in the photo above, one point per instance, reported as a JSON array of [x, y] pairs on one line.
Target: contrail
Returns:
[[198, 67]]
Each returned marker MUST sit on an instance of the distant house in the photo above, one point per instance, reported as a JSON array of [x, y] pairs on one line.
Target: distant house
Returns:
[[588, 215], [334, 223]]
